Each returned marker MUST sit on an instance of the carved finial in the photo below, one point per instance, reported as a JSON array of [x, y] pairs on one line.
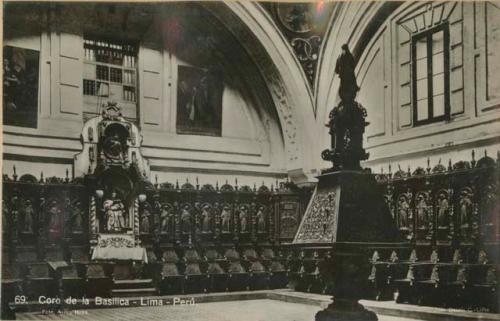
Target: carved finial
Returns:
[[41, 177], [375, 257], [410, 275], [187, 180], [67, 176], [176, 184], [381, 170], [449, 165], [435, 274], [272, 188], [390, 169], [236, 182], [409, 171], [482, 257], [462, 275], [428, 165], [254, 187], [216, 185], [485, 153], [156, 180], [413, 256], [394, 257], [15, 174], [197, 183], [434, 256], [457, 257], [473, 161], [491, 276]]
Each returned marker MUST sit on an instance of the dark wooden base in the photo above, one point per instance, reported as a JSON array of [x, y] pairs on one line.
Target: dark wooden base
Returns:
[[345, 311]]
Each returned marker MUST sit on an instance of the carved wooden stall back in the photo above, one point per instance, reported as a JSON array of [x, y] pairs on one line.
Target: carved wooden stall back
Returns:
[[450, 218], [451, 212]]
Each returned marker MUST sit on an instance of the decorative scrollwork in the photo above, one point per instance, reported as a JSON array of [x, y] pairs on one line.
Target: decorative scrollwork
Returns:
[[115, 241], [306, 48]]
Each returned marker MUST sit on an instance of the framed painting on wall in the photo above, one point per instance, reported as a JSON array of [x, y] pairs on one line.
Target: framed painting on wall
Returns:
[[199, 101], [20, 86]]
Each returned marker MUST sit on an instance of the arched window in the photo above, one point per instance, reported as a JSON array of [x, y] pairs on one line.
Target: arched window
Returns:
[[430, 75], [424, 49]]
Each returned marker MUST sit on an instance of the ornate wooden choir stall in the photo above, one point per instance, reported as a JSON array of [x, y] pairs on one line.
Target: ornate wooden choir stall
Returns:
[[106, 230]]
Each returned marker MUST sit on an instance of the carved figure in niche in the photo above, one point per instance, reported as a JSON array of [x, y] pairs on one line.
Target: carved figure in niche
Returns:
[[76, 217], [42, 214], [422, 211], [55, 220], [156, 212], [29, 214], [404, 212], [388, 198], [115, 147], [5, 214], [465, 208], [261, 220], [443, 210], [206, 219], [14, 212], [489, 210], [243, 219], [114, 210], [186, 219], [166, 219], [226, 219], [388, 201], [145, 219]]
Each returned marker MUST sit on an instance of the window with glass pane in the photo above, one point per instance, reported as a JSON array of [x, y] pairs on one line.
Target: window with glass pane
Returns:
[[430, 75], [110, 69]]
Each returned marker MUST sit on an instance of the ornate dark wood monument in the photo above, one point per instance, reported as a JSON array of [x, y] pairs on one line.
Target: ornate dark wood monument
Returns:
[[347, 214], [116, 174]]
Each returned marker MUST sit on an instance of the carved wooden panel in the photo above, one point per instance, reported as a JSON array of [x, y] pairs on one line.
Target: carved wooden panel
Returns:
[[320, 224], [289, 218]]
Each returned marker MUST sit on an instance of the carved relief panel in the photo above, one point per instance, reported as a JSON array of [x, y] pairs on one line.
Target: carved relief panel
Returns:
[[289, 217], [320, 225]]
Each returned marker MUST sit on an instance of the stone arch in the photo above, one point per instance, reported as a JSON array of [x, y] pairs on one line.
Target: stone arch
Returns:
[[283, 75]]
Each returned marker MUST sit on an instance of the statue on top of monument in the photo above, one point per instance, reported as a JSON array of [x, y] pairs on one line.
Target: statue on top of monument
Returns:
[[347, 119], [344, 67]]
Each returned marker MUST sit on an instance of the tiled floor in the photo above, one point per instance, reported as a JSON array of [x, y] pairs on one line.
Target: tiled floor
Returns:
[[251, 310]]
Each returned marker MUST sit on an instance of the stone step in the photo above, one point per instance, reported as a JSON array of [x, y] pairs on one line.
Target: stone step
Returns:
[[132, 283], [141, 292]]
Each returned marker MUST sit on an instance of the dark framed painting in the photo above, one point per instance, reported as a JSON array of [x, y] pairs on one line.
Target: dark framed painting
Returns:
[[20, 86], [199, 101]]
